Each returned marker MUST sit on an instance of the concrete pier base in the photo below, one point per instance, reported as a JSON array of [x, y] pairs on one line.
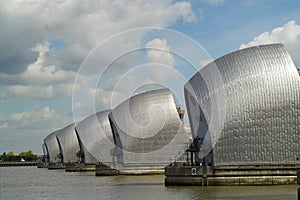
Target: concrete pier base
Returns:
[[103, 170], [229, 181], [80, 167], [230, 175], [143, 171], [52, 166], [42, 165]]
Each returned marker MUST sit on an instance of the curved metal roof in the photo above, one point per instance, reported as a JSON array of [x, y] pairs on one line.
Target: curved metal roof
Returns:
[[68, 143], [96, 138], [52, 147], [257, 95], [147, 129], [45, 152]]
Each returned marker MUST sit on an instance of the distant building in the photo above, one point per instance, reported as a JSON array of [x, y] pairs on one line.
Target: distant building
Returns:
[[244, 108]]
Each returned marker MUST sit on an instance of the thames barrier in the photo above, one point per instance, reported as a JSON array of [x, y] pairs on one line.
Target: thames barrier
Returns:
[[257, 103], [244, 116]]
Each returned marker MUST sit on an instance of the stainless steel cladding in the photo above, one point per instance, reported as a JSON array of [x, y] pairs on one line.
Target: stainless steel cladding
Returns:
[[68, 143], [45, 153], [52, 147], [147, 129], [96, 139], [246, 106]]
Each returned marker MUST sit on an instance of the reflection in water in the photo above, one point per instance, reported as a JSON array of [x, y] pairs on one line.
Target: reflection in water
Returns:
[[28, 183]]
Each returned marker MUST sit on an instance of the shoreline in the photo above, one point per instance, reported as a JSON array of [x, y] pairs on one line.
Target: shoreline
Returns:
[[17, 164]]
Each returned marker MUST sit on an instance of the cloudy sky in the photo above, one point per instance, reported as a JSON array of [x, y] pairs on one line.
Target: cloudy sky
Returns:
[[61, 60]]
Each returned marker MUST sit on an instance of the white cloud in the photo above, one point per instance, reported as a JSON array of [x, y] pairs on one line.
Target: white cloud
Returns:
[[161, 62], [39, 72], [205, 62], [185, 9], [33, 117], [158, 51], [156, 67], [41, 118], [26, 130], [80, 26], [39, 80], [214, 2], [33, 92], [38, 92], [288, 34], [63, 33]]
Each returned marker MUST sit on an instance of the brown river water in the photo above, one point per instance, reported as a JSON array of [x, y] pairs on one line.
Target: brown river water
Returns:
[[29, 183]]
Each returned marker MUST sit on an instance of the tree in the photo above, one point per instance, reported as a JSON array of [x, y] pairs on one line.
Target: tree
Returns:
[[11, 157], [3, 157], [28, 156], [10, 154], [22, 154], [29, 152]]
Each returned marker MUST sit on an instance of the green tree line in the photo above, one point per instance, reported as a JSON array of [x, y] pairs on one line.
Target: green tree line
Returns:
[[27, 156]]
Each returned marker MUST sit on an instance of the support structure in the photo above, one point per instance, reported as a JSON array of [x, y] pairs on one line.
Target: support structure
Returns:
[[298, 181], [231, 175]]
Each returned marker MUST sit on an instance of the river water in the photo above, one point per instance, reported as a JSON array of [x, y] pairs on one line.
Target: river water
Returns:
[[29, 183]]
